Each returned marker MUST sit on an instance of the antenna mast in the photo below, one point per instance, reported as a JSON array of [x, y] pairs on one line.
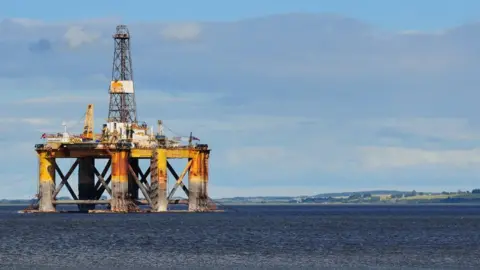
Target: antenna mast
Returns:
[[122, 106]]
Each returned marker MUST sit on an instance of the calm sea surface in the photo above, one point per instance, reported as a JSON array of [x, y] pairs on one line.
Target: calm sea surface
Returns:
[[246, 237]]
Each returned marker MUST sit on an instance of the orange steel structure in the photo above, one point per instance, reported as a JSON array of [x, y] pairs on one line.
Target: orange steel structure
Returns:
[[126, 178], [123, 143]]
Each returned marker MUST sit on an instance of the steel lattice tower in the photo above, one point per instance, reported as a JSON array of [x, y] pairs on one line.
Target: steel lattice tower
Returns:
[[122, 106]]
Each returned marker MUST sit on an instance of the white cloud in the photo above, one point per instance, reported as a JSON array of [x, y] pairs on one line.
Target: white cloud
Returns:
[[30, 85], [260, 156], [31, 121], [413, 32], [76, 36], [182, 31], [60, 99], [457, 129], [217, 191], [26, 22], [159, 96], [374, 158], [241, 124]]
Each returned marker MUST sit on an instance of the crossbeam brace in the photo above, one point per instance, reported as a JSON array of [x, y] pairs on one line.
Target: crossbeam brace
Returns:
[[101, 189], [103, 174], [140, 185], [143, 176], [179, 178], [100, 177], [65, 180]]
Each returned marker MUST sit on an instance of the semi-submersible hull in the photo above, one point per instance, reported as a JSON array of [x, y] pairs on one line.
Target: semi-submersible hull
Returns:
[[122, 178]]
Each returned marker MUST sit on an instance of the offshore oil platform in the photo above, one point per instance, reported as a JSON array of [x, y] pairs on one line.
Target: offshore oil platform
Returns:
[[123, 142]]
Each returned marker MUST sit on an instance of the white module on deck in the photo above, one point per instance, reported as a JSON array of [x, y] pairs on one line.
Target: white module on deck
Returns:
[[139, 134], [120, 128], [58, 138]]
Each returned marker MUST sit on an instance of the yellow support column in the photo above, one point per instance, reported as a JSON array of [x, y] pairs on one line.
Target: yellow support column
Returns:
[[119, 181], [46, 182], [195, 183], [158, 179]]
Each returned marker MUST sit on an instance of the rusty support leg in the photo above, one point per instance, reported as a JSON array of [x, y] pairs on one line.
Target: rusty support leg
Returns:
[[46, 182], [194, 183], [204, 200], [132, 184], [158, 178], [119, 181], [86, 183]]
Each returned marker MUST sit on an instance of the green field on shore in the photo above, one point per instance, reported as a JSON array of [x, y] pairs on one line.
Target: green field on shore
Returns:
[[370, 197]]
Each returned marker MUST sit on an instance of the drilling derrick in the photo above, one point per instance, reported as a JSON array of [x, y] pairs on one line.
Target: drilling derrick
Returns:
[[123, 142], [122, 107]]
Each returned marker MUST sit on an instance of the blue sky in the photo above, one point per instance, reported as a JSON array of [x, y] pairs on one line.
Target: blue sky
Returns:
[[392, 14], [293, 98]]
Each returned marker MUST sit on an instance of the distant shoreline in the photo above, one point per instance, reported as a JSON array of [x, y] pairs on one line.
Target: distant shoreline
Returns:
[[374, 197], [352, 204]]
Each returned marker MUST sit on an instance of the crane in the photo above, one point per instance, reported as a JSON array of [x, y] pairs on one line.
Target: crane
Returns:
[[88, 126]]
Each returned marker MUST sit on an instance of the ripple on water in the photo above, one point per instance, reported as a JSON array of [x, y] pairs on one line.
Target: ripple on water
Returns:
[[252, 237]]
